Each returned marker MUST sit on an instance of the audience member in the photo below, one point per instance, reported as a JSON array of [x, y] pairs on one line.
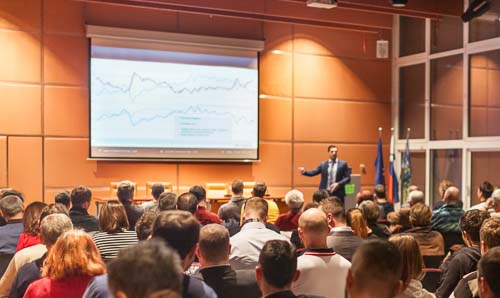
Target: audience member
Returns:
[[11, 208], [487, 274], [386, 206], [496, 203], [277, 269], [364, 195], [167, 201], [68, 268], [320, 195], [322, 271], [376, 271], [7, 192], [357, 222], [431, 243], [416, 197], [294, 199], [187, 202], [64, 198], [484, 192], [464, 260], [213, 255], [150, 269], [115, 234], [399, 221], [156, 190], [144, 225], [247, 243], [80, 202], [341, 238], [202, 214], [125, 193], [53, 224], [412, 266], [446, 218], [443, 186], [259, 190], [371, 213], [31, 223], [230, 212]]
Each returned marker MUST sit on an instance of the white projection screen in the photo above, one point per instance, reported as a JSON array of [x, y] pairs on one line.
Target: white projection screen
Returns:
[[172, 97]]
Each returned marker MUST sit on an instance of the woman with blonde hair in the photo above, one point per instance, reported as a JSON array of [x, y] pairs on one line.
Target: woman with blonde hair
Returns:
[[412, 266], [355, 220], [115, 234], [70, 264]]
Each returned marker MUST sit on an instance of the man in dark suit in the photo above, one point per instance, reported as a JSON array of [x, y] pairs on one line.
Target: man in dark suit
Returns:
[[213, 253], [335, 174]]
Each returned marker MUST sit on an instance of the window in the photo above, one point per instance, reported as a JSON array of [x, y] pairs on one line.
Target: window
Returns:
[[445, 164], [446, 34], [486, 26], [484, 167], [412, 101], [411, 36]]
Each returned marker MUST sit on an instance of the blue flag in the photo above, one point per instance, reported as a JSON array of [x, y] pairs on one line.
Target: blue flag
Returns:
[[379, 164], [406, 172]]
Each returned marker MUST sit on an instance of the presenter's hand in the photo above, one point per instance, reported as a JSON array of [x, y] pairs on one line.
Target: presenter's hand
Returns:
[[334, 187], [301, 170]]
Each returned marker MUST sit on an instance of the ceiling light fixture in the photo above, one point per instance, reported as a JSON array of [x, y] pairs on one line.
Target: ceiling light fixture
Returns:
[[326, 4], [399, 3]]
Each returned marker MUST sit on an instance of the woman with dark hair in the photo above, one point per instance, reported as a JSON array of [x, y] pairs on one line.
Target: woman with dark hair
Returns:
[[70, 265], [412, 266], [115, 233], [31, 223]]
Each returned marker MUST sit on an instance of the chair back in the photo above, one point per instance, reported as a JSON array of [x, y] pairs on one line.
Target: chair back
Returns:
[[431, 279], [247, 188], [450, 239], [216, 190], [432, 261]]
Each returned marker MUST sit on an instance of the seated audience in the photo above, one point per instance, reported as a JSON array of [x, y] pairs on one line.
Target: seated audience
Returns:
[[125, 193], [167, 201], [399, 222], [277, 269], [54, 223], [202, 214], [490, 238], [341, 238], [484, 192], [247, 243], [364, 195], [64, 198], [187, 202], [430, 242], [181, 231], [259, 190], [487, 274], [375, 271], [446, 218], [357, 222], [464, 260], [31, 222], [80, 203], [27, 254], [294, 199], [416, 197], [412, 266], [496, 203], [11, 208], [230, 212], [371, 213], [443, 186], [150, 269], [68, 268], [156, 190], [322, 271], [115, 234], [319, 196], [7, 192], [144, 225], [385, 206], [213, 254]]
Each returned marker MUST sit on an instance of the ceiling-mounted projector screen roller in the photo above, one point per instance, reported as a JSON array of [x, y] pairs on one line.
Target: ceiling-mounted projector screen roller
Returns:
[[172, 100]]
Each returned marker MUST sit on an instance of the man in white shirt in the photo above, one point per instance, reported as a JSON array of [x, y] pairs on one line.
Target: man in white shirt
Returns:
[[247, 244], [322, 271]]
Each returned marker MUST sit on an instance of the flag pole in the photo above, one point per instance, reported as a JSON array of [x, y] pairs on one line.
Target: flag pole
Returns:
[[408, 133], [380, 131]]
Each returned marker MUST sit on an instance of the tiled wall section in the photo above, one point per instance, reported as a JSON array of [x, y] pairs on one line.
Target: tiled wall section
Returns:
[[319, 86]]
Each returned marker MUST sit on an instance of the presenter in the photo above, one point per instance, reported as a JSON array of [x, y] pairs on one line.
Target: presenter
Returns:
[[335, 174]]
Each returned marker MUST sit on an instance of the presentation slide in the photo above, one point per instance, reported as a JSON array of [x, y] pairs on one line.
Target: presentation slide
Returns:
[[150, 104]]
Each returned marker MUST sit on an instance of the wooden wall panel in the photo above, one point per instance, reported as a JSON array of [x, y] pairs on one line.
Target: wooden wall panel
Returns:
[[275, 164], [339, 121], [3, 161], [63, 16], [25, 167], [276, 74], [20, 112], [278, 36], [66, 60], [479, 84], [21, 15], [341, 78], [219, 26], [66, 111], [191, 173], [20, 60], [275, 119]]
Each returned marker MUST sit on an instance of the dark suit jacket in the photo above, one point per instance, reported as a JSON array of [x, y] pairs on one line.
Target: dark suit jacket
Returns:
[[345, 243], [342, 177], [229, 283]]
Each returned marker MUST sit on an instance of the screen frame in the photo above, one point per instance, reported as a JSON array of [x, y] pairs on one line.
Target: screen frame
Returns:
[[166, 159]]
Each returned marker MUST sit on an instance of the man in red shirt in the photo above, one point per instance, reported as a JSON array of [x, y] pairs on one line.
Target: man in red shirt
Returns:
[[202, 214]]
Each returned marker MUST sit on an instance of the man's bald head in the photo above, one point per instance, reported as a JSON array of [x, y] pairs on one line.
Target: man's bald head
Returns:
[[313, 221], [452, 195]]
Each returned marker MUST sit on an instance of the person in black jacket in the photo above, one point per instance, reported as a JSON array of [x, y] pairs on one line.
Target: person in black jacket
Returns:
[[80, 201]]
